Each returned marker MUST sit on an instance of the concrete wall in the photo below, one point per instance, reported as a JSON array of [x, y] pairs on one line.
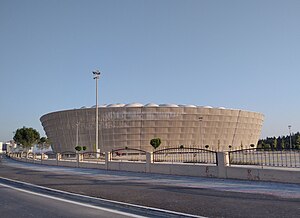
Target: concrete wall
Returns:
[[222, 170]]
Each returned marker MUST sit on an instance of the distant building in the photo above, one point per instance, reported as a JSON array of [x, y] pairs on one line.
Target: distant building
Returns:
[[7, 146]]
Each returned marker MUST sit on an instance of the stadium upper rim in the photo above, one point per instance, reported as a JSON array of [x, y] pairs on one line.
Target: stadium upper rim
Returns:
[[149, 105]]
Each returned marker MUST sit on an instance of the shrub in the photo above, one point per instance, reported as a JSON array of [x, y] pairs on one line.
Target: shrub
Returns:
[[78, 148], [155, 143]]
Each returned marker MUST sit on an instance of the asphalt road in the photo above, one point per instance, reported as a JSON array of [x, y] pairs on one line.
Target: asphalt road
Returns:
[[16, 203], [193, 195]]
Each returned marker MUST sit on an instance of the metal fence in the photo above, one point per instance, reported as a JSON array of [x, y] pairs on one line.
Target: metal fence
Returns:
[[266, 157], [186, 155], [68, 155], [128, 154], [93, 156], [50, 155]]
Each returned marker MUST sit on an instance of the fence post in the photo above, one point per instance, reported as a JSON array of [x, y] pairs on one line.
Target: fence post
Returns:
[[223, 162], [58, 157], [34, 157], [107, 159], [77, 159], [42, 157], [149, 160]]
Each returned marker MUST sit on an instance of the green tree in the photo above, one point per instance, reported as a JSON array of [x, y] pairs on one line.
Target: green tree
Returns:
[[78, 148], [297, 142], [26, 137], [274, 144], [282, 143], [84, 148], [43, 143], [155, 143]]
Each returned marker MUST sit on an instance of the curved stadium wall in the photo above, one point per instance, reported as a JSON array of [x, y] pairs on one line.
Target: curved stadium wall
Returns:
[[134, 125]]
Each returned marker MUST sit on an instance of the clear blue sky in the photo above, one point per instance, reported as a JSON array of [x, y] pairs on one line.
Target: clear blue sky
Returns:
[[236, 54]]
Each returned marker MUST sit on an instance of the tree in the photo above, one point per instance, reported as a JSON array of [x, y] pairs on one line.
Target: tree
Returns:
[[155, 143], [26, 137], [282, 143], [44, 142], [84, 148], [78, 148], [297, 142], [274, 144]]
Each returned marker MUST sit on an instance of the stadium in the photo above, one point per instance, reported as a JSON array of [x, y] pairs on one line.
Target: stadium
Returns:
[[134, 125]]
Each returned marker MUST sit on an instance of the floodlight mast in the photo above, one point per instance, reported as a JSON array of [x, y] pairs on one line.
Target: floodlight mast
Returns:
[[96, 77], [290, 126]]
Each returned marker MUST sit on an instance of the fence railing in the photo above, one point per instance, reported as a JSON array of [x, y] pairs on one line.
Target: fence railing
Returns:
[[266, 157], [185, 155], [93, 156], [68, 155], [50, 155], [128, 154], [253, 156]]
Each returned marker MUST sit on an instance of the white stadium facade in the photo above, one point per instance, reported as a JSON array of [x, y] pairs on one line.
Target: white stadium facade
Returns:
[[134, 125]]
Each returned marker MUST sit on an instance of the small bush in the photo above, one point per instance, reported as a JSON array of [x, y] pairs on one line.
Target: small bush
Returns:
[[155, 143], [78, 148]]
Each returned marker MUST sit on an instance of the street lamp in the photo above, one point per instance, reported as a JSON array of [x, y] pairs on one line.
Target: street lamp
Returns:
[[289, 126], [96, 77]]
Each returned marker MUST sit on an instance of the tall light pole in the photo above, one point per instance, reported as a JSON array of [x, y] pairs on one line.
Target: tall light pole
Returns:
[[289, 126], [96, 77]]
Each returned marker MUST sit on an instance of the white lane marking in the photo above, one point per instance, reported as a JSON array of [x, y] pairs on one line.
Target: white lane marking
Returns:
[[106, 200], [74, 202]]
